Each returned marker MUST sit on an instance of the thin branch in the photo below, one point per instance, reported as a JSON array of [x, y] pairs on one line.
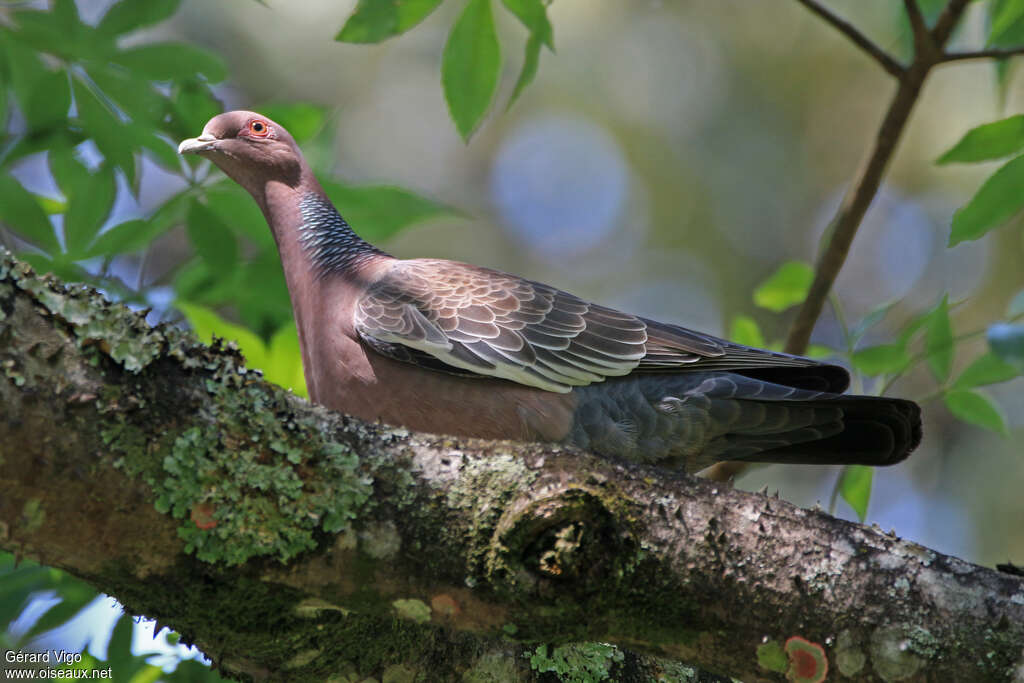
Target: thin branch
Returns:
[[947, 21], [994, 53], [868, 179], [855, 204], [887, 62], [917, 358], [917, 23]]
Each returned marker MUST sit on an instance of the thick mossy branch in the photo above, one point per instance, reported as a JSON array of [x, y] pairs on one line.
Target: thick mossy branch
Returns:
[[292, 543]]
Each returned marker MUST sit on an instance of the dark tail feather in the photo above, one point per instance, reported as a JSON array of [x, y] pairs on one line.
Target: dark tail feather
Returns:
[[875, 431]]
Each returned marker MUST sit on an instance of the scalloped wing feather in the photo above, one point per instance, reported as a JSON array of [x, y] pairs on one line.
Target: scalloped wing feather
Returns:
[[485, 323]]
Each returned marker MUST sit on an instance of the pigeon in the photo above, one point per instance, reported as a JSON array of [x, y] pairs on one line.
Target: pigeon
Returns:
[[451, 348]]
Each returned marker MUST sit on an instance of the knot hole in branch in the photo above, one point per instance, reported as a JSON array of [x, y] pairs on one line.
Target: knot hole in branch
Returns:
[[563, 541]]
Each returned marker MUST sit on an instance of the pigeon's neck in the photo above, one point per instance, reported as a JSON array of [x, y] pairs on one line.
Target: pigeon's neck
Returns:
[[326, 238], [310, 233]]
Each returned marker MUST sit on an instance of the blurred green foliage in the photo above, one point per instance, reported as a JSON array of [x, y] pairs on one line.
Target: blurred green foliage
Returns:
[[471, 64], [96, 102]]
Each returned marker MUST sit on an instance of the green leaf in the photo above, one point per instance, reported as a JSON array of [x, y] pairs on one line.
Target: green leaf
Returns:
[[999, 198], [744, 330], [1004, 19], [160, 150], [133, 94], [261, 294], [284, 361], [1016, 306], [105, 129], [25, 70], [20, 211], [1011, 33], [917, 323], [786, 287], [988, 368], [148, 673], [883, 359], [870, 320], [819, 351], [4, 113], [1007, 342], [17, 587], [119, 649], [74, 597], [52, 206], [236, 208], [90, 198], [990, 141], [212, 240], [65, 13], [302, 120], [374, 20], [133, 235], [47, 107], [470, 66], [975, 408], [130, 15], [377, 213], [938, 341], [123, 238], [193, 105], [855, 488], [531, 60], [534, 16], [57, 31], [172, 61], [205, 323]]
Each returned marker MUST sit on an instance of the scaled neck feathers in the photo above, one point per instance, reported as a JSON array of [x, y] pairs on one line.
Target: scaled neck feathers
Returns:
[[328, 240]]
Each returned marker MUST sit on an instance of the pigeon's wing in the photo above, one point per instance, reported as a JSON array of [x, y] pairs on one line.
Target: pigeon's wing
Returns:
[[444, 315]]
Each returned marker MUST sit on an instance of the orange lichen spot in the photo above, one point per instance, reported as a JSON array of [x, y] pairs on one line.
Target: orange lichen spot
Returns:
[[444, 605], [202, 516], [807, 661]]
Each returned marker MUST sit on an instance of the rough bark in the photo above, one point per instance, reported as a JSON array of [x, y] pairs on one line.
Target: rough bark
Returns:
[[292, 543]]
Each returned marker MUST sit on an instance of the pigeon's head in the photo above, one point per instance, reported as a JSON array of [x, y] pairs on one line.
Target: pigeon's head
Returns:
[[250, 148]]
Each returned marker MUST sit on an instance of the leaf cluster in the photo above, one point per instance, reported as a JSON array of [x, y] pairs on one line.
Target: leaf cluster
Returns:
[[928, 338], [25, 584], [471, 63]]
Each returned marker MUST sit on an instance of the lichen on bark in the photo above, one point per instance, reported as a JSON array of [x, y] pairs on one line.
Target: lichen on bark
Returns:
[[448, 554]]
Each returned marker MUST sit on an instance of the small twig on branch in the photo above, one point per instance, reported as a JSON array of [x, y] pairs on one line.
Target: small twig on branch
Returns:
[[887, 62], [946, 22], [917, 24], [994, 53]]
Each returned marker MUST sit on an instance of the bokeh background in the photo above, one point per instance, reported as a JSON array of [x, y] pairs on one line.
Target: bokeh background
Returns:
[[667, 160]]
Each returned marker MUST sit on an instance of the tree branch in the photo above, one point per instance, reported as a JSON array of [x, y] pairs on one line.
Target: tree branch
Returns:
[[843, 228], [917, 23], [844, 225], [291, 538], [886, 61], [947, 21], [992, 53]]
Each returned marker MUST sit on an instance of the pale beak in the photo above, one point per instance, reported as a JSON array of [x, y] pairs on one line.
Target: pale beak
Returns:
[[203, 143]]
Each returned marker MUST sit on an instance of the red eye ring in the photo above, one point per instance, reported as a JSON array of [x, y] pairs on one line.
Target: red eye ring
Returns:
[[259, 128]]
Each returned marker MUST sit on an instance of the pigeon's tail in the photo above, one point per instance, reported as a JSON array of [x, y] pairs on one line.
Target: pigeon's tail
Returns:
[[869, 431], [695, 420]]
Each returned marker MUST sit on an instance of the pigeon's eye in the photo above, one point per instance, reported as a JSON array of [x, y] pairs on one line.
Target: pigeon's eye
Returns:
[[259, 128]]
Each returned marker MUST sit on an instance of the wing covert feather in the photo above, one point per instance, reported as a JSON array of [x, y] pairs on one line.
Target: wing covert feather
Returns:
[[480, 322]]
